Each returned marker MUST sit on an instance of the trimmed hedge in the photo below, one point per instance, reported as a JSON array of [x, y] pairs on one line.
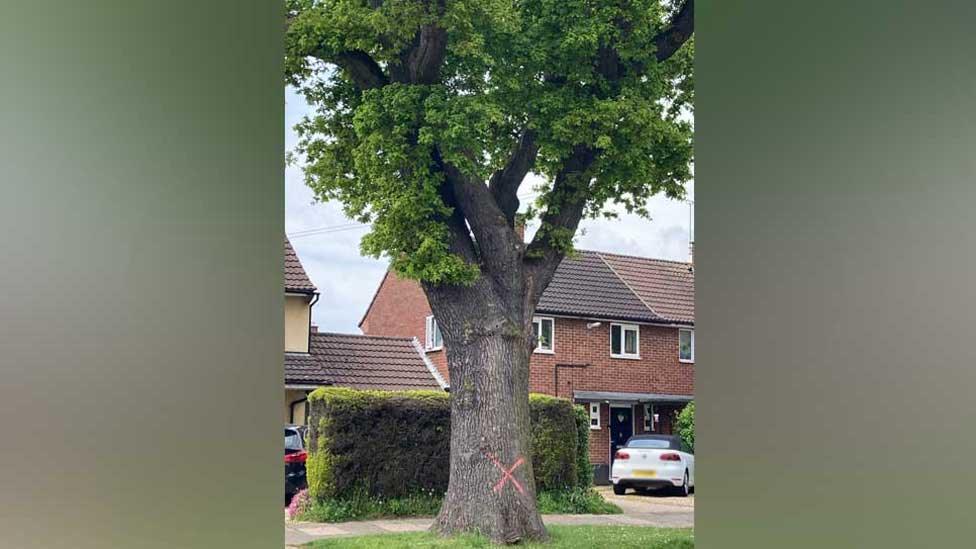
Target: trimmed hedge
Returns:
[[553, 443], [396, 444], [393, 444]]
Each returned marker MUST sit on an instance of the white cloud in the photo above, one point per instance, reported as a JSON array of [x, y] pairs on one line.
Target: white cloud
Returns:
[[347, 280]]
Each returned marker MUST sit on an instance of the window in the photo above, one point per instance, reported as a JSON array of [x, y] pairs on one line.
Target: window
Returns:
[[625, 341], [594, 415], [544, 328], [656, 442], [293, 440], [433, 341], [648, 424], [686, 345]]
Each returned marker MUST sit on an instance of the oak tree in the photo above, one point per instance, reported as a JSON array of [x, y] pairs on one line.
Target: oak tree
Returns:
[[427, 116]]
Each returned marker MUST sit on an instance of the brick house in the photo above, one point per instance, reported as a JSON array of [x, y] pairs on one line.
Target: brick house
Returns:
[[615, 332], [316, 359]]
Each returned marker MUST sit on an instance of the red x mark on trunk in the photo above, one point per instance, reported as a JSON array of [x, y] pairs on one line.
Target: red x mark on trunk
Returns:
[[507, 473]]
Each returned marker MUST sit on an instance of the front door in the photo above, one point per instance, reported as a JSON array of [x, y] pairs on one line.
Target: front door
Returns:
[[621, 428]]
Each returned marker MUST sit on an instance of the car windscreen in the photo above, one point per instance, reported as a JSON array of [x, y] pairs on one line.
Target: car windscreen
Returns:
[[653, 443], [293, 440]]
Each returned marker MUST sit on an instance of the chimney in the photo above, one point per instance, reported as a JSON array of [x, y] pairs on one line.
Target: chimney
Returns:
[[691, 255]]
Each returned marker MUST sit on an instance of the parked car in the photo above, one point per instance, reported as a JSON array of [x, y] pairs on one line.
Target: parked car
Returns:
[[295, 456], [653, 461]]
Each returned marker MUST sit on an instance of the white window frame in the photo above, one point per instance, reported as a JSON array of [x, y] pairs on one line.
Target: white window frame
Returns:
[[623, 338], [552, 342], [594, 408], [430, 331], [648, 423], [685, 360]]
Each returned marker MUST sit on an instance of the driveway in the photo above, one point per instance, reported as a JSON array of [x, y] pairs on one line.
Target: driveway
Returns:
[[672, 509], [638, 510]]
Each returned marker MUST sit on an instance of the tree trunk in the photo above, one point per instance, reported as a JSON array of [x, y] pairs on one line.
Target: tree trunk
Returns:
[[492, 487]]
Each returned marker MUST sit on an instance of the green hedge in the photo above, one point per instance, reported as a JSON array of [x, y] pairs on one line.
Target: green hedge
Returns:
[[685, 426], [397, 444]]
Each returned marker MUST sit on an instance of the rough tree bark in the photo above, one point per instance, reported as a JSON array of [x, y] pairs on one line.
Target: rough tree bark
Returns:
[[488, 342]]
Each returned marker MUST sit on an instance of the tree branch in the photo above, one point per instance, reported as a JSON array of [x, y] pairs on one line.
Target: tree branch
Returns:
[[504, 184], [489, 225], [421, 62], [563, 215], [365, 73], [678, 32], [461, 243], [424, 61]]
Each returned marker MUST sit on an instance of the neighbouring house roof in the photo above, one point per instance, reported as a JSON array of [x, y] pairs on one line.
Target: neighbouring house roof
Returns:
[[620, 287], [296, 280], [362, 362], [629, 398]]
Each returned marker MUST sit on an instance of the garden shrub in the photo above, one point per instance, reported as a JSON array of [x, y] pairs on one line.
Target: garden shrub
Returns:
[[685, 425], [584, 469], [394, 445], [554, 443], [576, 501], [385, 443]]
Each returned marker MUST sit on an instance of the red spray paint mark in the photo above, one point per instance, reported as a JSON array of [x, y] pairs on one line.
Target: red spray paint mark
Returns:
[[507, 473]]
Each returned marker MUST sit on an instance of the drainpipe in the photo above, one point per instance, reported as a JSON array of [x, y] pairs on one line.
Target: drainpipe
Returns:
[[555, 381], [315, 299]]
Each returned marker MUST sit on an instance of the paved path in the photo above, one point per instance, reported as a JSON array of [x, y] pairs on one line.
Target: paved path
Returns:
[[638, 511]]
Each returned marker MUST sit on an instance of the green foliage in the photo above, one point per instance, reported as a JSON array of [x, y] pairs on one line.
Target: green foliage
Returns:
[[395, 444], [554, 442], [563, 537], [576, 501], [377, 443], [360, 506], [509, 67], [584, 470], [685, 426]]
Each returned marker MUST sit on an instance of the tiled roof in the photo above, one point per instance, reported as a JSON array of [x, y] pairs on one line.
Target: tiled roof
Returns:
[[667, 287], [611, 286], [361, 362], [295, 278]]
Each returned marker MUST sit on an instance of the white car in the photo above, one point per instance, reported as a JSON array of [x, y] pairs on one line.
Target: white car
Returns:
[[653, 461]]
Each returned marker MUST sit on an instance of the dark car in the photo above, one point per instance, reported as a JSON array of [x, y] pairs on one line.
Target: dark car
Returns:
[[295, 456]]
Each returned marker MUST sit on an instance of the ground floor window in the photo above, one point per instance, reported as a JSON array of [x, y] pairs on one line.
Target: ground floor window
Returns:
[[594, 415]]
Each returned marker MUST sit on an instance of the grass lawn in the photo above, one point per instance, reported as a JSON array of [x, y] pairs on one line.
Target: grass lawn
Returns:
[[583, 537], [570, 502]]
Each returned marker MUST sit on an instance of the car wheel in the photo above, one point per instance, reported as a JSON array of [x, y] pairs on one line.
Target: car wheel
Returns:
[[619, 489], [685, 488]]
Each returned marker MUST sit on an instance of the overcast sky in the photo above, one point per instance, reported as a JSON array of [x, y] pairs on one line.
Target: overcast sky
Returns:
[[347, 280]]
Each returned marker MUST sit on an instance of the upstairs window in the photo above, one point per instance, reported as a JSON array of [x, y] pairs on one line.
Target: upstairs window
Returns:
[[624, 341], [544, 329], [686, 345], [433, 341]]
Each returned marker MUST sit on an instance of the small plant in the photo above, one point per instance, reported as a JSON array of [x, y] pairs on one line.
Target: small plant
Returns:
[[575, 501], [361, 506], [300, 502], [686, 426]]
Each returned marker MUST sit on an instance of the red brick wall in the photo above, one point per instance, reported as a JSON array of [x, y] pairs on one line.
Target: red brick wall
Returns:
[[657, 371], [400, 309]]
